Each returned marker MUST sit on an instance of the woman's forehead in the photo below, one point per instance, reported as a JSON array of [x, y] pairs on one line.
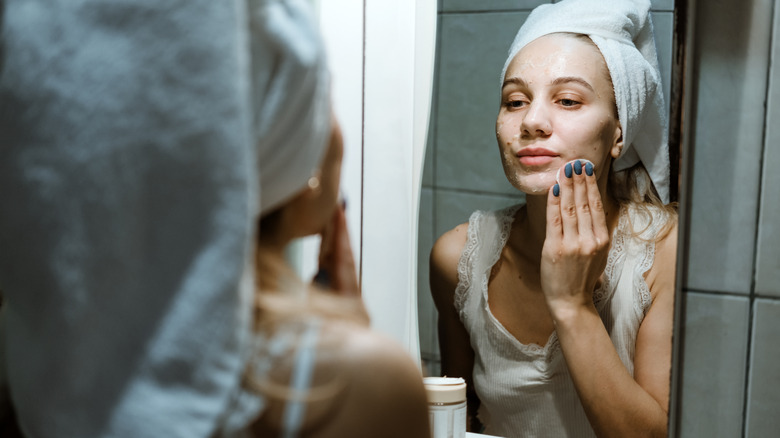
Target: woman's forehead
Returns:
[[558, 55]]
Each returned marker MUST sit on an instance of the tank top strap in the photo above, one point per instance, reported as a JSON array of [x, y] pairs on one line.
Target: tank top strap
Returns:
[[488, 232], [645, 225], [630, 257], [303, 369]]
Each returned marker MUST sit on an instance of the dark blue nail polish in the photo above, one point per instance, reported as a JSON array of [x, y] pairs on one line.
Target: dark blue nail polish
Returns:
[[567, 170], [556, 190], [578, 167], [588, 169]]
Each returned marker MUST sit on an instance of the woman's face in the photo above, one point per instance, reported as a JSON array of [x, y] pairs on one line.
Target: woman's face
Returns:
[[319, 205], [557, 105]]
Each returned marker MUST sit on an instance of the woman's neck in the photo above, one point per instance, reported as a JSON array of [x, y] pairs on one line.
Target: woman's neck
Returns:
[[272, 247], [271, 261], [530, 227]]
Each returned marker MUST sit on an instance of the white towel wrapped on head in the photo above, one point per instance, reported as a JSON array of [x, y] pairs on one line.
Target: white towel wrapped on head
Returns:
[[292, 104], [128, 176], [623, 32]]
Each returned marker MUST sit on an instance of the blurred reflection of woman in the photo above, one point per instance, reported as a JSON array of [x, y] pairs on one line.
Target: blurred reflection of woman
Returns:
[[317, 369], [559, 312]]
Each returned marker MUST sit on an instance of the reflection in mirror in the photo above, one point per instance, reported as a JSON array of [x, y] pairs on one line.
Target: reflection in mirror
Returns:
[[618, 340]]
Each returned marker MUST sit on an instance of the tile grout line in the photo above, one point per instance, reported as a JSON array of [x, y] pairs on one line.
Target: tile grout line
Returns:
[[759, 193]]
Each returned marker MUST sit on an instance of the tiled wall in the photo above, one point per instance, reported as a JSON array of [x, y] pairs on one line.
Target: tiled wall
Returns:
[[730, 372], [462, 170], [730, 382]]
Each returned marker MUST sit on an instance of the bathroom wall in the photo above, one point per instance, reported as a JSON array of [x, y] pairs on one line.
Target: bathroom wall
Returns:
[[462, 170], [730, 380], [381, 60]]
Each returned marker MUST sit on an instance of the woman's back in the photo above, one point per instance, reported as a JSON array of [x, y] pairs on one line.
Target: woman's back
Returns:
[[359, 383]]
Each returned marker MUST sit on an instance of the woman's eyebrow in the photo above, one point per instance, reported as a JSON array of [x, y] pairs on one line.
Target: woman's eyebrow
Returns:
[[513, 80], [568, 79]]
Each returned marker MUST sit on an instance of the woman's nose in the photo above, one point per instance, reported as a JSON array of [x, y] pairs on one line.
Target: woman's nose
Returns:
[[536, 122]]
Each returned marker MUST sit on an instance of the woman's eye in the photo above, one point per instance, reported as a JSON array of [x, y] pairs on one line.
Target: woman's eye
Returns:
[[568, 102], [515, 104]]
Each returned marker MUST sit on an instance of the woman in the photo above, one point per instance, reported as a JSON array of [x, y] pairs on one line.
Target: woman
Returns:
[[360, 383], [559, 312], [318, 370]]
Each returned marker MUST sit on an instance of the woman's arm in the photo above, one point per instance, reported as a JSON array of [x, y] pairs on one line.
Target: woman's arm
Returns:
[[574, 256], [457, 357]]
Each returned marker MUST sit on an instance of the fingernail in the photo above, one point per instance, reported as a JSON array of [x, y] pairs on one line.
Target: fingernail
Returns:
[[322, 278], [589, 169], [578, 167], [343, 200], [567, 170], [556, 190]]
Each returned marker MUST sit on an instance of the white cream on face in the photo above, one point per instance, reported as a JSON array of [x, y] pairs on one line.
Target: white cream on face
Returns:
[[554, 64], [554, 99]]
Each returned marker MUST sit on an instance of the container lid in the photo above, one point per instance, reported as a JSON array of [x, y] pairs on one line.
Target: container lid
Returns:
[[445, 389]]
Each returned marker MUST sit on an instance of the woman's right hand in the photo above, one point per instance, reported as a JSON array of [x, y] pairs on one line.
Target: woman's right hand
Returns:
[[337, 271], [577, 241]]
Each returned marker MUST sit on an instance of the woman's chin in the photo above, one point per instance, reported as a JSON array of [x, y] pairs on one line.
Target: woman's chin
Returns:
[[534, 185], [536, 191]]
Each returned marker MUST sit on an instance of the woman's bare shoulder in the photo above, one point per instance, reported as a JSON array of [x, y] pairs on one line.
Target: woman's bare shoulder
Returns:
[[445, 256], [363, 384], [661, 276], [383, 394]]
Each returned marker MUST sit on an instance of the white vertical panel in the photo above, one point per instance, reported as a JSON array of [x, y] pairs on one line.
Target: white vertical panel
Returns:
[[399, 39], [341, 24]]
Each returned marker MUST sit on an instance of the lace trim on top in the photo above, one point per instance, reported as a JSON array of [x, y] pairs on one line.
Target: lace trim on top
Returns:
[[616, 252], [468, 264], [620, 240], [467, 261], [647, 258]]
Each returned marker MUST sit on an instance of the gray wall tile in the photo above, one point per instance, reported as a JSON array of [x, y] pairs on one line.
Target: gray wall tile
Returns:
[[431, 367], [768, 252], [453, 207], [655, 5], [714, 359], [764, 390], [488, 5], [425, 309], [662, 5], [492, 5], [472, 49], [731, 61], [663, 24], [430, 152]]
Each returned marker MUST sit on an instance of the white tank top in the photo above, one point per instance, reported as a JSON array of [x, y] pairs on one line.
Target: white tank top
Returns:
[[526, 389]]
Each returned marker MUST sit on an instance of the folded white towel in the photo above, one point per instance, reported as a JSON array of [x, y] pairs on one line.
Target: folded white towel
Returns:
[[623, 32], [292, 106], [129, 192]]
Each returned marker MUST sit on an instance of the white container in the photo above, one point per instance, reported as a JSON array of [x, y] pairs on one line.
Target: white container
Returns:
[[446, 406]]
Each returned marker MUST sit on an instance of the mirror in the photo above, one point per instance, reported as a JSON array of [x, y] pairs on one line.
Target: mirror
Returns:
[[462, 169]]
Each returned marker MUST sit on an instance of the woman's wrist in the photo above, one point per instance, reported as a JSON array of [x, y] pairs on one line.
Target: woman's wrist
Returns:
[[568, 312]]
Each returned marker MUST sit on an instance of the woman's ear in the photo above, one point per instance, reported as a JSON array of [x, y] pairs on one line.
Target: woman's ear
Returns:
[[313, 186], [617, 145]]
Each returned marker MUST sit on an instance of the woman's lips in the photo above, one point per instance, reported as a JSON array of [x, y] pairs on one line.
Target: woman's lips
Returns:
[[536, 156], [536, 160]]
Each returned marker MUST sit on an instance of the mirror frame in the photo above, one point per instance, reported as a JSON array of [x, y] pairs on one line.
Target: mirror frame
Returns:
[[681, 168], [681, 92]]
